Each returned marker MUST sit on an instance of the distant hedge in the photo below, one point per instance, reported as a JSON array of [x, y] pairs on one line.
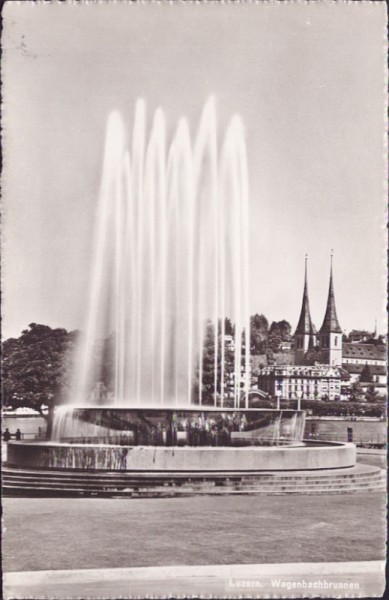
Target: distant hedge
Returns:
[[346, 409], [326, 408], [320, 408]]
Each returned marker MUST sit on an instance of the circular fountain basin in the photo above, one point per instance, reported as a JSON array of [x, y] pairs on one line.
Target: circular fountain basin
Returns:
[[190, 439], [106, 457]]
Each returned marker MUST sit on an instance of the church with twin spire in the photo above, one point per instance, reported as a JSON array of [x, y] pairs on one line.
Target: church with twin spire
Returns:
[[324, 346], [316, 371], [323, 365]]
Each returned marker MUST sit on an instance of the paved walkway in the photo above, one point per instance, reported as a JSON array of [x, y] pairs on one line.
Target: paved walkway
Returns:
[[378, 451], [289, 580]]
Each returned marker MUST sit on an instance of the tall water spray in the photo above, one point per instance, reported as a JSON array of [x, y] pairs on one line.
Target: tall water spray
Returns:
[[170, 263]]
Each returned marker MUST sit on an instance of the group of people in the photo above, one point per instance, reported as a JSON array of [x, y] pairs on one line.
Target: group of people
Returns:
[[208, 431], [199, 430], [7, 435]]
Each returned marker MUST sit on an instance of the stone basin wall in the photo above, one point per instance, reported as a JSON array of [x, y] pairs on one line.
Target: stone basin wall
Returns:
[[49, 455]]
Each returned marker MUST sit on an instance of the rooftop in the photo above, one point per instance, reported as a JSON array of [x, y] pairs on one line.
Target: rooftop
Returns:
[[374, 369], [367, 351]]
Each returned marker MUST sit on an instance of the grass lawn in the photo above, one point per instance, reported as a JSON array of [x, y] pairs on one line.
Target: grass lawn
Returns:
[[105, 533]]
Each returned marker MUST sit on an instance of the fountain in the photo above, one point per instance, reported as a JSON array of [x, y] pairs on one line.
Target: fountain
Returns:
[[160, 385], [170, 264]]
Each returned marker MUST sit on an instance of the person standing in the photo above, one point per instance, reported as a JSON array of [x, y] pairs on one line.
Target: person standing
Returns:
[[6, 436]]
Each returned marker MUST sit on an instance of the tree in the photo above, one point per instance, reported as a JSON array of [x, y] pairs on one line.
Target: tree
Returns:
[[280, 331], [372, 394], [229, 329], [313, 355], [208, 367], [366, 374], [37, 368], [356, 392], [259, 329], [358, 335]]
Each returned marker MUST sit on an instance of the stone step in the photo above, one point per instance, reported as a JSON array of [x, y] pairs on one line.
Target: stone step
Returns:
[[67, 478], [198, 488], [55, 482], [210, 484], [179, 492], [195, 485], [59, 491], [329, 481], [96, 485], [340, 487], [219, 479]]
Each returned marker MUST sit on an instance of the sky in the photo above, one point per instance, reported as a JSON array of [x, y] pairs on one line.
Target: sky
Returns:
[[308, 81]]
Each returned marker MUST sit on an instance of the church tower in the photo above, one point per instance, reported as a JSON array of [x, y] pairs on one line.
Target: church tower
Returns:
[[305, 335], [331, 332]]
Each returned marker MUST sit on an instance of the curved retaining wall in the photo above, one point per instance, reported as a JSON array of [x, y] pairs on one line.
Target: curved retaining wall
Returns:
[[331, 455]]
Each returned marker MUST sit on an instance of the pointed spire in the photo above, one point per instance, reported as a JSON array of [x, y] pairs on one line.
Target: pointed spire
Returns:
[[305, 325], [331, 323]]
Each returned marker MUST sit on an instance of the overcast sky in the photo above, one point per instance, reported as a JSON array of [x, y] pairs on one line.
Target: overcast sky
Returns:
[[308, 81]]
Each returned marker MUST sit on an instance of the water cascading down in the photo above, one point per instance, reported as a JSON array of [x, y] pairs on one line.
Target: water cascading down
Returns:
[[170, 264]]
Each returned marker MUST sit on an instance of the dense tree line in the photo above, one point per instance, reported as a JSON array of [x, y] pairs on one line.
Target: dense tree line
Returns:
[[364, 337], [37, 367]]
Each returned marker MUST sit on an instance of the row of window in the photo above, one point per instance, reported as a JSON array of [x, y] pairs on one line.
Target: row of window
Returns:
[[361, 362]]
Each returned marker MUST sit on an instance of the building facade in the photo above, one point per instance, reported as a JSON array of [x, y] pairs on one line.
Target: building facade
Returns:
[[367, 364], [308, 382]]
